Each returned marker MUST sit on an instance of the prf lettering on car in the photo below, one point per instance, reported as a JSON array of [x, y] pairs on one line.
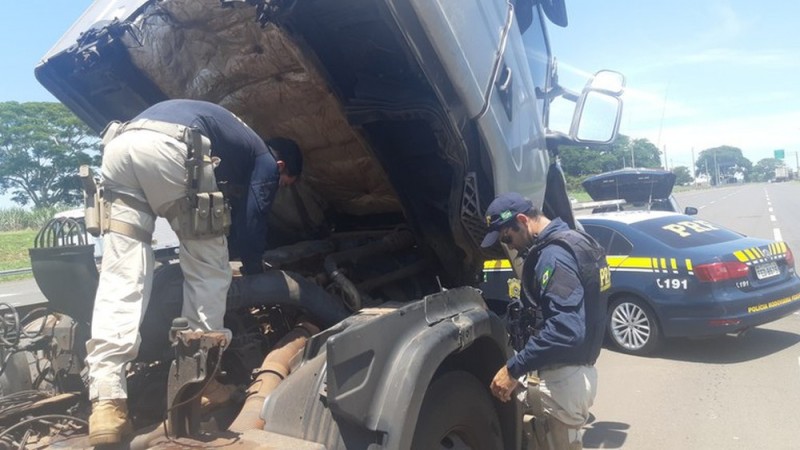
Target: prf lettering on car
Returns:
[[685, 228]]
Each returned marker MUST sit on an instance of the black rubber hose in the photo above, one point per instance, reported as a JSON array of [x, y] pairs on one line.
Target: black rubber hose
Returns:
[[390, 243], [286, 288]]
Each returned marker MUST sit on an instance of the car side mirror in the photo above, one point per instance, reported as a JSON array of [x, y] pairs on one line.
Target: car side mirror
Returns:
[[690, 211]]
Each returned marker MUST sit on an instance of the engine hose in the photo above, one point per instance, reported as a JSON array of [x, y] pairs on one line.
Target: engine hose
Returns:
[[392, 242], [274, 369], [280, 287]]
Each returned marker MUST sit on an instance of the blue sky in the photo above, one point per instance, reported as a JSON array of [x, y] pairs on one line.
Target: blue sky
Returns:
[[700, 74]]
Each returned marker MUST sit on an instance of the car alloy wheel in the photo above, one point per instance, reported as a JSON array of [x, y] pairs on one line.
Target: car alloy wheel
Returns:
[[632, 326]]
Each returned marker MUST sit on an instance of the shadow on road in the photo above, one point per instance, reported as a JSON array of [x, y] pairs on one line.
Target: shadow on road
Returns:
[[604, 434], [758, 343]]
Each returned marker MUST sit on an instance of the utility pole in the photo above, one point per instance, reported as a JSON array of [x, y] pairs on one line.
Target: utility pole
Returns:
[[694, 170], [716, 168], [666, 166], [633, 161]]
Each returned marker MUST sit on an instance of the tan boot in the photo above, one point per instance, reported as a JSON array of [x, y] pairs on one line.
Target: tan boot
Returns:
[[109, 422], [215, 395]]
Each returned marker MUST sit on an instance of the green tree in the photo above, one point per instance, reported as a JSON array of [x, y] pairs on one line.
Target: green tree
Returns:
[[643, 153], [765, 169], [722, 163], [682, 175], [42, 144], [581, 162]]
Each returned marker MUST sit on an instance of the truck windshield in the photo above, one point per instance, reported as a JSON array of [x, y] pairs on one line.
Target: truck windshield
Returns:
[[536, 50]]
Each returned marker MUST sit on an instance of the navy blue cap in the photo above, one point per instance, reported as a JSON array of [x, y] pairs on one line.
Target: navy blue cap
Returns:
[[502, 211]]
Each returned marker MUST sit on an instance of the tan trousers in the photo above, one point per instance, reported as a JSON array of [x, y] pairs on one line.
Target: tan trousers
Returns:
[[560, 399], [149, 166]]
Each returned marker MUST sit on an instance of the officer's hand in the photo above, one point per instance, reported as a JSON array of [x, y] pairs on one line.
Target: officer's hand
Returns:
[[503, 385]]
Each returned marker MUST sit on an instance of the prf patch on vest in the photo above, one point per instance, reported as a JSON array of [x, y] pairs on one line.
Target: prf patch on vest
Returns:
[[605, 278]]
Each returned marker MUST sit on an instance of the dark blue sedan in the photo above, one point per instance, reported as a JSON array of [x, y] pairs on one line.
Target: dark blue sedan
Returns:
[[674, 275]]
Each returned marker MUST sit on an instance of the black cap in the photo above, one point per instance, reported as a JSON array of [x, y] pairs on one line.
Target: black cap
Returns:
[[502, 211]]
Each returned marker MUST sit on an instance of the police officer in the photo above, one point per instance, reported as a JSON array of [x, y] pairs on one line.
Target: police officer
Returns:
[[170, 161], [563, 278]]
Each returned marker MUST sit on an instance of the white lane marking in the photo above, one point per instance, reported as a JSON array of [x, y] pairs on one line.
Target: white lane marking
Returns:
[[712, 202], [776, 232], [8, 295], [770, 209], [772, 218]]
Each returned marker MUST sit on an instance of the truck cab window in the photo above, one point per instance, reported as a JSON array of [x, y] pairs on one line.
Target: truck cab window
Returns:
[[537, 51]]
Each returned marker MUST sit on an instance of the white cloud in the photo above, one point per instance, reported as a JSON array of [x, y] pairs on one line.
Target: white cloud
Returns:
[[757, 136]]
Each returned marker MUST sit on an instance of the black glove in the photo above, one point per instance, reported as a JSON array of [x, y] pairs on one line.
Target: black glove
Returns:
[[252, 267]]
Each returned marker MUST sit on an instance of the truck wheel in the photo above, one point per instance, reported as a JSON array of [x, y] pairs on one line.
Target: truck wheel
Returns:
[[457, 413], [632, 326]]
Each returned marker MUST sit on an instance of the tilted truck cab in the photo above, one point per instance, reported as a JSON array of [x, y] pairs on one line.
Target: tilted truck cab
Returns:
[[411, 115]]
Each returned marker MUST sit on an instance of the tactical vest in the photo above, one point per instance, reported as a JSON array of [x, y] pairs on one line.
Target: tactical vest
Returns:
[[594, 276]]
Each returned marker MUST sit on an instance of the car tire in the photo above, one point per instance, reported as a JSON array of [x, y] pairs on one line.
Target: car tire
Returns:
[[457, 412], [632, 326]]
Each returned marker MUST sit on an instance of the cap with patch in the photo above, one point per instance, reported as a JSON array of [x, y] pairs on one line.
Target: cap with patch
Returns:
[[502, 211]]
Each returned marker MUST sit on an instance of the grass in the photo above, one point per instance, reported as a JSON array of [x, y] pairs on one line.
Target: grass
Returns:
[[14, 247]]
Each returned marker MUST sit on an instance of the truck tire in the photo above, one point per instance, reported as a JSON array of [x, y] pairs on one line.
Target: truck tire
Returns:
[[457, 413]]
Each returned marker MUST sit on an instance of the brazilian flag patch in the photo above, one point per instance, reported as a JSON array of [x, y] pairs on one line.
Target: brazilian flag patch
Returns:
[[546, 277]]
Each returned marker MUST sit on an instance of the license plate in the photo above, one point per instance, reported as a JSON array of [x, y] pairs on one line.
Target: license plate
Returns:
[[767, 270]]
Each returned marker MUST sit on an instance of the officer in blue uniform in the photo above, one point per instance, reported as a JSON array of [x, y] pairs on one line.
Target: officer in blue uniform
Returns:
[[564, 277]]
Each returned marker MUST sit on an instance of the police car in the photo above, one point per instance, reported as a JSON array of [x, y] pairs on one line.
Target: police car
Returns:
[[674, 275]]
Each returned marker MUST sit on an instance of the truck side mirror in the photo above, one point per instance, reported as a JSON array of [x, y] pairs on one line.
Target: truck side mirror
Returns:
[[690, 211], [608, 81], [597, 118], [599, 109]]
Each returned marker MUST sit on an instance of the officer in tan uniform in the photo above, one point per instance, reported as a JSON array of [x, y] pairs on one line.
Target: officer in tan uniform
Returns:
[[168, 162]]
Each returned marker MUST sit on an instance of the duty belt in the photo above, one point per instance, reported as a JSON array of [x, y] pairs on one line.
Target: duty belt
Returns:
[[172, 130]]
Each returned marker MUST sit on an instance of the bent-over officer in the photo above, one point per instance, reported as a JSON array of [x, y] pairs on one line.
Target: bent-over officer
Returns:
[[564, 277], [168, 162]]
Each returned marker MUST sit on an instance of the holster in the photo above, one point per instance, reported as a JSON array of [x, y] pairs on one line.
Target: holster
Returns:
[[92, 202]]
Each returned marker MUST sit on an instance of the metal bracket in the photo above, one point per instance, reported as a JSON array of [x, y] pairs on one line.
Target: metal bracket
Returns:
[[187, 376]]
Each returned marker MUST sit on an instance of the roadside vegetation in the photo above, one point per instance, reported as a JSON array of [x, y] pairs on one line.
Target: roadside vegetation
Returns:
[[18, 228]]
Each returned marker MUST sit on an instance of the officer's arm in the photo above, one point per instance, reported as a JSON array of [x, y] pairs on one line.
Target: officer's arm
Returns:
[[564, 324], [253, 231]]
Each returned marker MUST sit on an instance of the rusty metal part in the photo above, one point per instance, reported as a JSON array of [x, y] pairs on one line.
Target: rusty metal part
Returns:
[[189, 371], [273, 370]]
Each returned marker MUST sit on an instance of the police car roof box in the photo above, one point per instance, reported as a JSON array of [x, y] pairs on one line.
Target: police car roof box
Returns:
[[631, 185]]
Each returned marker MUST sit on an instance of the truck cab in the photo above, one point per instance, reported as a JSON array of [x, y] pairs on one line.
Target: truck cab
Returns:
[[412, 116]]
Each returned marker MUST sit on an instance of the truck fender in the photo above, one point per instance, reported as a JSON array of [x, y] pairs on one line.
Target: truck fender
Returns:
[[378, 369]]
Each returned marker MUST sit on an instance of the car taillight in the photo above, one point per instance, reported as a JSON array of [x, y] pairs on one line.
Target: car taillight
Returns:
[[720, 271], [789, 258]]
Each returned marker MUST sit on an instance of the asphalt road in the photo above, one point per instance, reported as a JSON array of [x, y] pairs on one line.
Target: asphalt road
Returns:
[[725, 393], [21, 294]]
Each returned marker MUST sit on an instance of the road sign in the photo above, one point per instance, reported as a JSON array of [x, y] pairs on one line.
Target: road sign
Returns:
[[779, 154]]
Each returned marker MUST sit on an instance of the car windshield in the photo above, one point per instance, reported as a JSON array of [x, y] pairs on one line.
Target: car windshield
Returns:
[[681, 231]]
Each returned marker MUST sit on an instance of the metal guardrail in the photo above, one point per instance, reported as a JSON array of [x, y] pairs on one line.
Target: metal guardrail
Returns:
[[14, 272]]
